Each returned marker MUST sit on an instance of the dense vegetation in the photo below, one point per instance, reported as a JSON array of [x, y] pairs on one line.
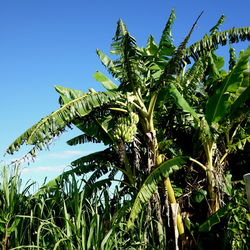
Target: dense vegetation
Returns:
[[179, 113]]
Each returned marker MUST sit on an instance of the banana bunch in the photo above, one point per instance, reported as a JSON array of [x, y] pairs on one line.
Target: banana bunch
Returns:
[[126, 127]]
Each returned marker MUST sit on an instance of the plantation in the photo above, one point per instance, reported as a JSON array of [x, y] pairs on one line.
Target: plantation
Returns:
[[176, 125]]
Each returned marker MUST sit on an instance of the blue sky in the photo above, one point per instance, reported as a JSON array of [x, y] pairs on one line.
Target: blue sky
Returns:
[[52, 42]]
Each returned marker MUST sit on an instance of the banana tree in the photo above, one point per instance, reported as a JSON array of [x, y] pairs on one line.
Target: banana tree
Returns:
[[125, 116]]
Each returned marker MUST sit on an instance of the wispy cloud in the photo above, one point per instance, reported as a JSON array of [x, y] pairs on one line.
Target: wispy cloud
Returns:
[[68, 154], [39, 169]]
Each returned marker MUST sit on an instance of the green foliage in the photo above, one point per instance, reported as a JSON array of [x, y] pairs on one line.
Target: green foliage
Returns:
[[238, 231], [65, 217], [54, 124], [106, 83], [159, 112], [229, 90], [150, 185]]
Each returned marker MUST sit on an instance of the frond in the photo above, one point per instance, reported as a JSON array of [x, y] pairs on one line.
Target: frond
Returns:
[[212, 42], [232, 58], [98, 126], [175, 64], [150, 185], [229, 90], [108, 64], [129, 63], [89, 188], [181, 102], [67, 94], [104, 161], [81, 139], [121, 30], [192, 78], [54, 124], [99, 172], [166, 46], [112, 173], [105, 81], [217, 25], [151, 47], [107, 157], [242, 103]]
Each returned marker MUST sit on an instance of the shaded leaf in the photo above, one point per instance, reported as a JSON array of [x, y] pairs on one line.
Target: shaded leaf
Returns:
[[214, 219]]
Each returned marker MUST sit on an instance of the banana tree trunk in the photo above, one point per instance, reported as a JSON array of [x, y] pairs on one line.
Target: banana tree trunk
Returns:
[[167, 184], [214, 201]]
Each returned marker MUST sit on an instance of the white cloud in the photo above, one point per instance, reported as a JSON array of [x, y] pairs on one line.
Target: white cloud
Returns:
[[68, 154], [46, 169]]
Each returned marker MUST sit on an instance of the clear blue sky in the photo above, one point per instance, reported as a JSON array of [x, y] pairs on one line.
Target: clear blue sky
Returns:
[[53, 42]]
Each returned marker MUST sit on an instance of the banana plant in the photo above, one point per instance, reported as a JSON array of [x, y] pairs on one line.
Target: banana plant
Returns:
[[221, 116], [125, 116]]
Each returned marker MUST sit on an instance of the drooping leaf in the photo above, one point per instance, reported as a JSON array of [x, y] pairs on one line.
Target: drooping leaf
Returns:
[[100, 128], [80, 139], [54, 124], [99, 163], [92, 126], [150, 185], [106, 156], [67, 94], [209, 43]]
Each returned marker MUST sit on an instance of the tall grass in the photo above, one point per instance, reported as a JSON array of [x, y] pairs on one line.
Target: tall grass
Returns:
[[72, 216], [66, 217]]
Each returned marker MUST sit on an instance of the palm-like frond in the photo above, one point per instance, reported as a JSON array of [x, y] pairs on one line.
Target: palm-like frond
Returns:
[[191, 80], [67, 94], [106, 156], [80, 139], [54, 124], [97, 126], [102, 162], [99, 163], [175, 64], [108, 64], [181, 102], [166, 46], [217, 25], [98, 185], [129, 66], [212, 42]]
